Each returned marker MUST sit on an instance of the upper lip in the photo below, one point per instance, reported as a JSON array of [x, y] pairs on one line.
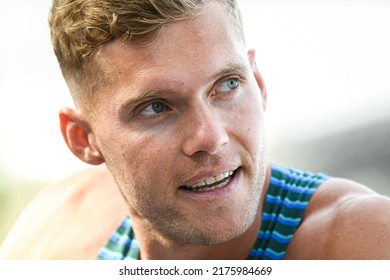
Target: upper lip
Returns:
[[203, 176]]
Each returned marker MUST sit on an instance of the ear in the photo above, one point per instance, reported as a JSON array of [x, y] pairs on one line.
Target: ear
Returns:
[[258, 77], [79, 137]]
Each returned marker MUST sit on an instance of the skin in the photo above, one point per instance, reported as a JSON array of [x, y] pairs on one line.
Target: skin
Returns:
[[173, 117]]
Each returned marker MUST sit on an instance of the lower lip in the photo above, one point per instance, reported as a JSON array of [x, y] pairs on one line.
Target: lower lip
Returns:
[[225, 191]]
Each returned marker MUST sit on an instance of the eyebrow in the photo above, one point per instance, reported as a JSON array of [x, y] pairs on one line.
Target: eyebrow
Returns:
[[229, 69], [150, 94]]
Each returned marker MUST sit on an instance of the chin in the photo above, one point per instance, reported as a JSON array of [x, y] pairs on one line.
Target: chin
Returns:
[[217, 233]]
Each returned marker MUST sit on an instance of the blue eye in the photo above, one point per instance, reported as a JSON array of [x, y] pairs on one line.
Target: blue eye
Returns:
[[153, 109], [228, 85]]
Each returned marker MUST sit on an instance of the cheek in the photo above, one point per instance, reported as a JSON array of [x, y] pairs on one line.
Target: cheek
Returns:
[[140, 167], [142, 154], [249, 123], [144, 159]]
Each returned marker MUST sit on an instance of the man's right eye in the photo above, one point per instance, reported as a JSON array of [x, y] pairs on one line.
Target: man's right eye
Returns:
[[152, 109]]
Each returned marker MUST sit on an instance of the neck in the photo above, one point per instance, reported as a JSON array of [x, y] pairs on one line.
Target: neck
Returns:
[[158, 248]]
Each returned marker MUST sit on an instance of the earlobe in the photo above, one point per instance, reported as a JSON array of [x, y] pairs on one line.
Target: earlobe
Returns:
[[258, 77], [79, 137]]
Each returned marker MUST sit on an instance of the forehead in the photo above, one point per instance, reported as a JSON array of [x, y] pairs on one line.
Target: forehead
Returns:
[[181, 52]]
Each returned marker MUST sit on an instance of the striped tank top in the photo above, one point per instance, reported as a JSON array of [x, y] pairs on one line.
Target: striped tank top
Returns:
[[288, 195]]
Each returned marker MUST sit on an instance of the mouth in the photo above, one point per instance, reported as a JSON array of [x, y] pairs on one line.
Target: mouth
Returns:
[[212, 183]]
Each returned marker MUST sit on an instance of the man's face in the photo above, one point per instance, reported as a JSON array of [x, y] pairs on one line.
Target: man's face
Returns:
[[181, 130]]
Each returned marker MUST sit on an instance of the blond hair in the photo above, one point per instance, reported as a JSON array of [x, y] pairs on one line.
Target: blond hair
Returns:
[[79, 27]]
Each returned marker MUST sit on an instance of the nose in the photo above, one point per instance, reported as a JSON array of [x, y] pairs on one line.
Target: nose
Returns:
[[204, 132]]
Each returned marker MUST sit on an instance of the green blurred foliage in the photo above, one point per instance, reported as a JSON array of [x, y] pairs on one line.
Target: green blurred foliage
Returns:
[[15, 193]]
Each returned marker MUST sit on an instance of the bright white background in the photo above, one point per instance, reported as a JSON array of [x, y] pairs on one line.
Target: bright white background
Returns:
[[326, 65], [102, 270]]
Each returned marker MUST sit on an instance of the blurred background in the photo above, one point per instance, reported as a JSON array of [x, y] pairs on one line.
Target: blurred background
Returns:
[[326, 64]]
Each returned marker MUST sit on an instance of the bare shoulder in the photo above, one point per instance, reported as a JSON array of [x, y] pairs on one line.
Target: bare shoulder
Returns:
[[71, 219], [344, 220]]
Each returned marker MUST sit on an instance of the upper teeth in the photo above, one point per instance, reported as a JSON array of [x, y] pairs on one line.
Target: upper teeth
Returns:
[[213, 179]]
